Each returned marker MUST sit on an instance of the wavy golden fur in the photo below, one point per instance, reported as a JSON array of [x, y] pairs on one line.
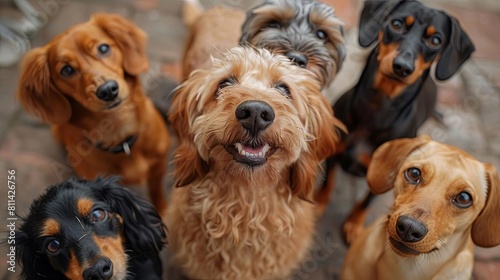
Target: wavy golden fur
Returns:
[[235, 220]]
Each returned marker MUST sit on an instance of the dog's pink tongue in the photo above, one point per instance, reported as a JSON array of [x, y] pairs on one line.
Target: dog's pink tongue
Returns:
[[251, 150]]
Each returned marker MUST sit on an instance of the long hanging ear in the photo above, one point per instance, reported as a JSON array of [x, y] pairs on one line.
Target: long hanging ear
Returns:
[[188, 163], [374, 14], [130, 39], [325, 129], [36, 92], [387, 160], [458, 50], [34, 265], [486, 227], [143, 228]]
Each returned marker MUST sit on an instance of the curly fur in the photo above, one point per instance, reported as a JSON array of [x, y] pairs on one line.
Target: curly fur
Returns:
[[236, 221], [283, 26]]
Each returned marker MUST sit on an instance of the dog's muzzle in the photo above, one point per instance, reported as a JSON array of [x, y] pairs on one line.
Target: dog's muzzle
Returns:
[[108, 91], [101, 269], [254, 116]]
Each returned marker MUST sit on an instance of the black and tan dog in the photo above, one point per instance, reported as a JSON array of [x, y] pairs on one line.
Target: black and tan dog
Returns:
[[394, 95], [90, 230]]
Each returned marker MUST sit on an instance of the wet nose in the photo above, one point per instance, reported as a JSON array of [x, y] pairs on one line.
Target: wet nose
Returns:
[[299, 58], [410, 230], [102, 269], [402, 66], [255, 115], [107, 91]]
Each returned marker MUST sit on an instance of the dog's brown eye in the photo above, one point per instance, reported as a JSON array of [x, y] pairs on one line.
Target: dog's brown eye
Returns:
[[434, 41], [396, 24], [463, 200], [321, 34], [284, 89], [412, 175], [273, 24], [67, 71], [98, 215], [226, 83], [103, 49], [53, 246]]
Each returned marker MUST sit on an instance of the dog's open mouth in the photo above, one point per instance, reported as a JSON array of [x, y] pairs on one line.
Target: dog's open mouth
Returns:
[[402, 249], [250, 154]]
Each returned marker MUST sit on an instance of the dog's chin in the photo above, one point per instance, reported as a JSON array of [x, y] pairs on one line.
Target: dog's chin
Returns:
[[394, 77], [114, 104], [402, 249], [250, 155]]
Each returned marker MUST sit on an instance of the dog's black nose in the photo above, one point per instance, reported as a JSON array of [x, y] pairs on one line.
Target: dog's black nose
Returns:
[[255, 115], [403, 67], [102, 269], [108, 91], [299, 58], [409, 229]]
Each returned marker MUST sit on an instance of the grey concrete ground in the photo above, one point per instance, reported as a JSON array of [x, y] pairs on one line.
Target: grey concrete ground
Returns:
[[469, 102]]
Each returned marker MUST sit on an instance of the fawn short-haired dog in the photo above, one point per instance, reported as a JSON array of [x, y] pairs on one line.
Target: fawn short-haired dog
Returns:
[[85, 82], [445, 202], [395, 94], [82, 229]]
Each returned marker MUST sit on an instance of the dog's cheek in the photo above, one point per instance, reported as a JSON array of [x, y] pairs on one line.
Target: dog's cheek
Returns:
[[75, 270]]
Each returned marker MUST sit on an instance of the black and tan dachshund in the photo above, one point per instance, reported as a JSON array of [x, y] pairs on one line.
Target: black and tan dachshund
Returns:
[[90, 230], [395, 94]]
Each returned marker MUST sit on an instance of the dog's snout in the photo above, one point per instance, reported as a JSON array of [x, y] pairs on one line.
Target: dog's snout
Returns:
[[299, 58], [255, 115], [108, 91], [403, 66], [410, 230], [102, 269]]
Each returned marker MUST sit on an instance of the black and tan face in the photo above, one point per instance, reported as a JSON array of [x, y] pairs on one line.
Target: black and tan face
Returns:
[[87, 65], [439, 192], [305, 31], [410, 40], [81, 238]]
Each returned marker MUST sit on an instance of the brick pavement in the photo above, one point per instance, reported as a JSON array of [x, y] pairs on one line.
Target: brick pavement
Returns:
[[469, 102]]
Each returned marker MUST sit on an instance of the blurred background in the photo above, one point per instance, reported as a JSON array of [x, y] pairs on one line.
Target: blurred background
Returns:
[[470, 103]]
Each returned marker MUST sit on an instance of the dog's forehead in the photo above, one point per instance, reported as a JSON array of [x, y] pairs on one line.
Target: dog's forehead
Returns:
[[448, 159], [422, 14], [82, 38]]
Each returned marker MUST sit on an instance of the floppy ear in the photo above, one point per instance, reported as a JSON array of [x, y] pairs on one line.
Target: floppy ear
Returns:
[[36, 92], [130, 39], [374, 14], [324, 127], [35, 266], [246, 31], [143, 228], [188, 163], [486, 227], [458, 50], [387, 160]]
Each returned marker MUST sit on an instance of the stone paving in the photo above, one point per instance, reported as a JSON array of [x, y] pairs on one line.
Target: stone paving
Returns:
[[469, 102]]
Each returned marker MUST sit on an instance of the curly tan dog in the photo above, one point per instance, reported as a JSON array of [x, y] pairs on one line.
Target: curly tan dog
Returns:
[[254, 129], [446, 201], [86, 83]]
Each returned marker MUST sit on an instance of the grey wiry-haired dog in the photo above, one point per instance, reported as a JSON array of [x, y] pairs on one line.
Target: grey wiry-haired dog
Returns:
[[306, 31]]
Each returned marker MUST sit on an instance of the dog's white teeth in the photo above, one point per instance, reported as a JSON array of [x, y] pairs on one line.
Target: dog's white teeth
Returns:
[[261, 154], [240, 148], [265, 149]]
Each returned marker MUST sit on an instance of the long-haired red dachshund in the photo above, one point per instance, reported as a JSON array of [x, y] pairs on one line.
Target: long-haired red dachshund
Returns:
[[86, 83]]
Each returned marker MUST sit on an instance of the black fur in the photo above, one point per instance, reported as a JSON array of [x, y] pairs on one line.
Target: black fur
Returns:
[[142, 229]]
